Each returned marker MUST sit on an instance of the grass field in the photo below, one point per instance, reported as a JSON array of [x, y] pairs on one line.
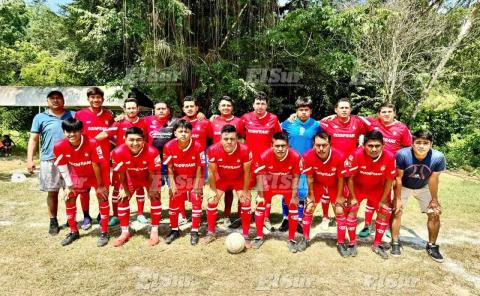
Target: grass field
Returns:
[[34, 263]]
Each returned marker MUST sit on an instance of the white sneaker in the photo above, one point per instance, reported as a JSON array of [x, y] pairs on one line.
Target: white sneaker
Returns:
[[324, 224], [226, 222], [267, 225], [182, 220]]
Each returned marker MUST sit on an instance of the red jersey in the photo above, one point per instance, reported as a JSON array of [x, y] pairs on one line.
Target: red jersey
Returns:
[[184, 162], [278, 173], [95, 123], [370, 174], [119, 127], [345, 134], [259, 132], [138, 167], [229, 165], [395, 135], [325, 173], [219, 122], [202, 129], [79, 160]]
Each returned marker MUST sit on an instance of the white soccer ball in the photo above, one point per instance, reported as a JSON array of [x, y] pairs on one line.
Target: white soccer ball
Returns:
[[235, 243], [18, 177]]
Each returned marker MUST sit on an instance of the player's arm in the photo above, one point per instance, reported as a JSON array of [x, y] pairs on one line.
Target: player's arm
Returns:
[[351, 187], [433, 182], [171, 177], [101, 136], [246, 181], [197, 188], [101, 190], [31, 148], [212, 171], [340, 199], [397, 191], [125, 192], [294, 199], [387, 189]]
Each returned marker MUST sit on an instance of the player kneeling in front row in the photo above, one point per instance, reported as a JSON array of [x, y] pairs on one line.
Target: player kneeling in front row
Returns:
[[278, 172], [370, 171], [325, 171], [229, 169], [78, 159], [419, 169], [186, 162], [138, 165]]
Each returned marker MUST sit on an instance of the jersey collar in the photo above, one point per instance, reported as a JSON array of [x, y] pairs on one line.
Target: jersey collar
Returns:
[[286, 155], [235, 149], [378, 158], [81, 143], [329, 156], [139, 152], [188, 146]]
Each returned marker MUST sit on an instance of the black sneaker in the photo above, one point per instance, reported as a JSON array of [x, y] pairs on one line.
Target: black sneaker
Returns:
[[343, 250], [380, 252], [284, 226], [194, 238], [434, 252], [257, 243], [395, 251], [54, 229], [236, 224], [353, 250], [332, 223], [173, 235], [303, 244], [299, 228], [70, 238], [292, 246], [102, 239]]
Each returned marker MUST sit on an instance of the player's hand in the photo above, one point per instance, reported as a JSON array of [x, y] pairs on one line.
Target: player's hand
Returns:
[[259, 199], [292, 117], [173, 191], [398, 206], [244, 195], [154, 194], [201, 116], [119, 117], [212, 118], [30, 166], [340, 200], [198, 190], [102, 192], [329, 117], [68, 193], [124, 195], [353, 202], [434, 207]]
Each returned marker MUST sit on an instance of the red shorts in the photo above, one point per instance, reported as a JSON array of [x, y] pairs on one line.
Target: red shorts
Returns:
[[271, 193], [229, 184], [320, 191], [373, 197]]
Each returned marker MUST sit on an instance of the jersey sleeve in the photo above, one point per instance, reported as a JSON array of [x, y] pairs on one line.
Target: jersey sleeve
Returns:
[[400, 160], [36, 127], [406, 137], [241, 128], [326, 127], [167, 155], [366, 125], [112, 130], [391, 170], [276, 126], [155, 161], [261, 164], [440, 164], [211, 155], [58, 156], [209, 128], [298, 164], [117, 164], [97, 153], [351, 165], [285, 126], [307, 165], [247, 155], [200, 157]]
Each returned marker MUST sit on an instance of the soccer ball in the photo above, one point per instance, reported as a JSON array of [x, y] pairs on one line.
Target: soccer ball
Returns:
[[235, 243], [18, 177]]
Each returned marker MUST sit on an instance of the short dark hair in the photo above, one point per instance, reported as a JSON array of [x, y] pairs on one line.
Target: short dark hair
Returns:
[[191, 99], [72, 125], [182, 123], [261, 96], [302, 102], [228, 99], [130, 100], [134, 130], [373, 135], [94, 91], [280, 136], [343, 100], [323, 135], [228, 128], [53, 93], [386, 105], [423, 134]]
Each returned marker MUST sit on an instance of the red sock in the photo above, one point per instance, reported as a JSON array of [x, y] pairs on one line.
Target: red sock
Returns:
[[341, 228], [292, 220], [155, 211], [196, 211], [268, 208], [104, 209], [115, 197], [71, 211], [85, 201], [380, 227], [325, 205], [307, 223], [173, 206], [140, 193], [246, 217], [260, 218], [352, 229], [228, 203], [211, 217], [369, 214], [124, 213]]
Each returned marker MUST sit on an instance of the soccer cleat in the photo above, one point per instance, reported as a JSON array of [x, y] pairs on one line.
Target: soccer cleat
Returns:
[[395, 251], [113, 221], [303, 244], [102, 239], [267, 225], [332, 223], [182, 220], [324, 224], [53, 229], [257, 242], [235, 224], [226, 222], [87, 223], [70, 238], [142, 219], [434, 252], [194, 238], [343, 250], [353, 250], [122, 239], [292, 246], [380, 251], [154, 239], [284, 226], [173, 235], [299, 227], [210, 237], [365, 232], [388, 233]]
